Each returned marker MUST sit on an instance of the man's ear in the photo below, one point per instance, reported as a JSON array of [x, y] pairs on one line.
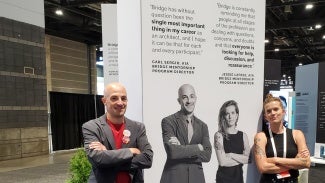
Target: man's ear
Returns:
[[178, 100], [104, 100]]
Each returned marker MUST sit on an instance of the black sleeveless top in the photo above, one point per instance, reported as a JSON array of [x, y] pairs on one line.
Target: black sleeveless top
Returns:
[[292, 150], [234, 143], [233, 174]]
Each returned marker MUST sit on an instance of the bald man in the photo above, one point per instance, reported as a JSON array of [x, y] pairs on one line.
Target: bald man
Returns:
[[186, 141], [117, 147]]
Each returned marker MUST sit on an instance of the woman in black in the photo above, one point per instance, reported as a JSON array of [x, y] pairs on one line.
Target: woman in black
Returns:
[[279, 152], [231, 145]]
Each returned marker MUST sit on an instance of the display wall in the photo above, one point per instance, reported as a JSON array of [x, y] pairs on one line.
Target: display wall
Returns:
[[214, 46], [309, 116], [272, 75], [23, 97]]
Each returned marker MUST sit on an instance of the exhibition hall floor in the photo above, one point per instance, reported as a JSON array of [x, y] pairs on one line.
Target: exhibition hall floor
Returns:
[[53, 168]]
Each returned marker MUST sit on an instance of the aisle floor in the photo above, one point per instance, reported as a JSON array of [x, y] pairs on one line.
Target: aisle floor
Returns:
[[53, 168]]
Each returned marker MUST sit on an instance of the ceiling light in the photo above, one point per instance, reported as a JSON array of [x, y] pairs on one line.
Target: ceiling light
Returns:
[[284, 75], [318, 26], [323, 36], [309, 6], [300, 64], [59, 12], [276, 49], [266, 41]]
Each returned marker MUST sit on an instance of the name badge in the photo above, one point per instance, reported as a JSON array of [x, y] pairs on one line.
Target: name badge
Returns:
[[283, 175]]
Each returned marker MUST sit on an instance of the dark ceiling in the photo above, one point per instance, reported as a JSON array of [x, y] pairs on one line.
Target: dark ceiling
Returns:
[[81, 20], [289, 27]]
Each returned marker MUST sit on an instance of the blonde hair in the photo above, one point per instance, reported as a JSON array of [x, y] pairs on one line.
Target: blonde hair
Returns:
[[270, 98]]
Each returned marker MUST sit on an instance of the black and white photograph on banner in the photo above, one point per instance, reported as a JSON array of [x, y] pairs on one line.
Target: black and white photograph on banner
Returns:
[[216, 48], [186, 141], [231, 145]]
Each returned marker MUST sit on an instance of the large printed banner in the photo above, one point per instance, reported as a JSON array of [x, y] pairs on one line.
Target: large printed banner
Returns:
[[215, 51], [110, 45]]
